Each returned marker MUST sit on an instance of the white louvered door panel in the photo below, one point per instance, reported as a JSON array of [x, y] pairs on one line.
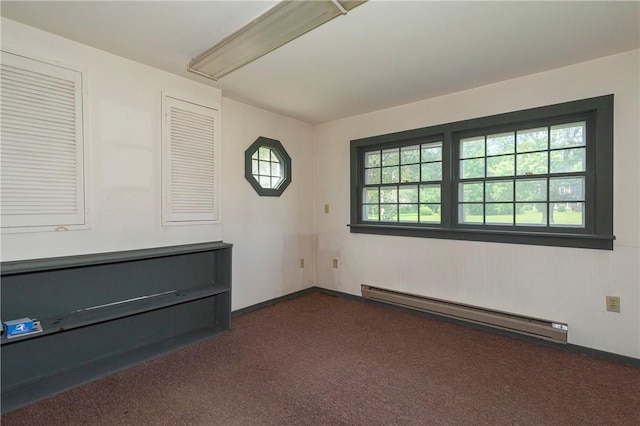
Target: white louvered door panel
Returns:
[[190, 163], [42, 157]]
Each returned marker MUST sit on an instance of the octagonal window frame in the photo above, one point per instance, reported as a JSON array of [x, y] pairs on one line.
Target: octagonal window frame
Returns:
[[285, 166]]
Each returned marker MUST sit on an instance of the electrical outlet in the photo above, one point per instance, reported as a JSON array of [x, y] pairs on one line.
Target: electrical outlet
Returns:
[[613, 304], [302, 263], [326, 209], [335, 263]]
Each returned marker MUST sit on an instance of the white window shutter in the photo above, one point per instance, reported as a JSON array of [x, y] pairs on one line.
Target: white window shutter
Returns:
[[42, 148], [189, 160]]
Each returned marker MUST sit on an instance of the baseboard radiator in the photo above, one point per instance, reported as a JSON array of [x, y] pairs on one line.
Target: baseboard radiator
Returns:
[[544, 329]]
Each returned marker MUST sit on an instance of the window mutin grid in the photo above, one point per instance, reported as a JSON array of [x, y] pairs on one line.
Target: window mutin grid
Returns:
[[267, 167], [403, 184], [525, 177], [582, 182]]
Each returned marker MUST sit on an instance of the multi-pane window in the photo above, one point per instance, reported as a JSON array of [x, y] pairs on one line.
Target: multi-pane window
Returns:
[[267, 167], [527, 177], [403, 184], [541, 176]]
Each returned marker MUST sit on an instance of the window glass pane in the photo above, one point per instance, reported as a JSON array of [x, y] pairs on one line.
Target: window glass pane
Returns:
[[532, 140], [408, 194], [410, 173], [372, 159], [254, 156], [566, 189], [472, 168], [500, 214], [567, 214], [471, 192], [432, 151], [274, 156], [408, 213], [471, 213], [568, 160], [370, 195], [265, 168], [391, 174], [264, 181], [532, 164], [565, 135], [391, 157], [275, 182], [500, 166], [430, 194], [372, 176], [275, 169], [499, 191], [410, 154], [472, 147], [389, 194], [430, 213], [254, 167], [371, 212], [431, 171], [264, 153], [531, 214], [531, 190], [388, 212], [503, 143]]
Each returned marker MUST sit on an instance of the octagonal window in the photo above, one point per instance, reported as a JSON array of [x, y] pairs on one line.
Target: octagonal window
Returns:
[[267, 167]]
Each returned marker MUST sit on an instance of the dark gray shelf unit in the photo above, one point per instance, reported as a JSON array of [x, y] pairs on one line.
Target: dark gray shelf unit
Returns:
[[141, 304]]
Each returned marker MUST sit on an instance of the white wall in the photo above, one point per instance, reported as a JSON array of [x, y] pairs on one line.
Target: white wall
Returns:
[[124, 148], [563, 284], [270, 234]]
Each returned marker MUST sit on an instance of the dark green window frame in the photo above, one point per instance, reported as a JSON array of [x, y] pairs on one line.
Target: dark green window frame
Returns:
[[412, 196], [271, 154]]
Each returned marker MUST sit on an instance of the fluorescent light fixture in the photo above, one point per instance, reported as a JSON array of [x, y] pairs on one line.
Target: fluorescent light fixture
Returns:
[[284, 22]]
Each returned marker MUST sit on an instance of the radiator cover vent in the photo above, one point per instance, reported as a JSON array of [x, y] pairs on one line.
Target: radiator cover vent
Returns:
[[545, 329]]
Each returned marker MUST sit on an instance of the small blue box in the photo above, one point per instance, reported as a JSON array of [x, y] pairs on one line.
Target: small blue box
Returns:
[[18, 326]]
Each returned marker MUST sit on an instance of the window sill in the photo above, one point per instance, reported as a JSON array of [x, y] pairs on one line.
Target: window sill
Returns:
[[589, 241]]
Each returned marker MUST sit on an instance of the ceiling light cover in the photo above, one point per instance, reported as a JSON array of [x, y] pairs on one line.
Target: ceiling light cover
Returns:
[[279, 25]]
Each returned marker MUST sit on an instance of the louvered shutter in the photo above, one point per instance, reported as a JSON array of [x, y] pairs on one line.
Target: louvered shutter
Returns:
[[42, 156], [190, 163]]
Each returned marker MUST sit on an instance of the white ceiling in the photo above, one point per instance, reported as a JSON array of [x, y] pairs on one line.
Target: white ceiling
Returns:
[[382, 54]]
